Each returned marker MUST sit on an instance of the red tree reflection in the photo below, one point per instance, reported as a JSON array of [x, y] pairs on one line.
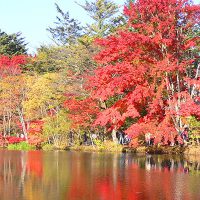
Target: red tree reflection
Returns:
[[34, 163]]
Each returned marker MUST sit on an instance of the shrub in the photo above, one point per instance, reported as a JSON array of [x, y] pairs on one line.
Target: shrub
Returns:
[[34, 140], [21, 146], [47, 147], [14, 140]]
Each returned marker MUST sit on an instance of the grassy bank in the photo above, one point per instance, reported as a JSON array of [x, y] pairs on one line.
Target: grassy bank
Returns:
[[110, 146]]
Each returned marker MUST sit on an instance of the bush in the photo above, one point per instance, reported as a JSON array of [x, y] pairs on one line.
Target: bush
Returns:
[[21, 146], [34, 140], [111, 146], [14, 140], [47, 147]]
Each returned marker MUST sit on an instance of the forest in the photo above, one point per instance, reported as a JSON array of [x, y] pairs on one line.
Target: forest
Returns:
[[128, 78]]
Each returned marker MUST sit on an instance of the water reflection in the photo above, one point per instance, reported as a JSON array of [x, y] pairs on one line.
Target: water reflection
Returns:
[[84, 176]]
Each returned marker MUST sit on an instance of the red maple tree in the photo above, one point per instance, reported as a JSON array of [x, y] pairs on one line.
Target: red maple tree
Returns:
[[82, 111], [11, 66], [149, 70]]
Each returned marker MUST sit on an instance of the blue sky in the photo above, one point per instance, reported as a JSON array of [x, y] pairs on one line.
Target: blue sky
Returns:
[[32, 17]]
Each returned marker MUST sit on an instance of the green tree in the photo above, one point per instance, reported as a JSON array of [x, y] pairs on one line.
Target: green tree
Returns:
[[12, 44], [56, 128], [75, 57], [67, 29], [103, 13], [194, 126]]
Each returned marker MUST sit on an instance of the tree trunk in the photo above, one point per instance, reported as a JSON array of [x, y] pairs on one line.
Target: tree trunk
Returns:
[[4, 124], [21, 117], [114, 136]]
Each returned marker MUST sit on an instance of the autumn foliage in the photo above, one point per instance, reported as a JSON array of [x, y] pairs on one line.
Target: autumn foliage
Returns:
[[145, 79], [82, 112], [148, 74], [11, 66]]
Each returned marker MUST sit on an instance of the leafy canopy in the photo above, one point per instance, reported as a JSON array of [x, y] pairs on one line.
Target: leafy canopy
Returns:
[[12, 44], [150, 69]]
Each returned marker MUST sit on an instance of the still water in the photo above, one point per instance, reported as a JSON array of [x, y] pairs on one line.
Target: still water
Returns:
[[38, 175]]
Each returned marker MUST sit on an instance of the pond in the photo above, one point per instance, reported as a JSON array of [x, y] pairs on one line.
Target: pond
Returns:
[[97, 176]]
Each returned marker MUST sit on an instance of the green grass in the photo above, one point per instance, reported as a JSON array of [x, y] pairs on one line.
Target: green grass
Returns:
[[21, 146]]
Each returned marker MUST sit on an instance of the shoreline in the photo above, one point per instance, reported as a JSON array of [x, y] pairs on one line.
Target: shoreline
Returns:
[[113, 148], [152, 150]]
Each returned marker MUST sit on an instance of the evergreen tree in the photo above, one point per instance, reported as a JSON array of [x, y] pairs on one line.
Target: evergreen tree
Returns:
[[12, 44], [67, 29], [103, 13]]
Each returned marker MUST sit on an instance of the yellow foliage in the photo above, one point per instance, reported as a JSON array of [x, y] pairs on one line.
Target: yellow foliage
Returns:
[[44, 92]]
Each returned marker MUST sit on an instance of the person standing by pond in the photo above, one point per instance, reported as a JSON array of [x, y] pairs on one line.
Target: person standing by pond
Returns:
[[184, 134]]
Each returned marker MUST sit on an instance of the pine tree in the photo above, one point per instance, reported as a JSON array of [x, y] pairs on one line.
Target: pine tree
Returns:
[[103, 13], [67, 29], [12, 44]]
